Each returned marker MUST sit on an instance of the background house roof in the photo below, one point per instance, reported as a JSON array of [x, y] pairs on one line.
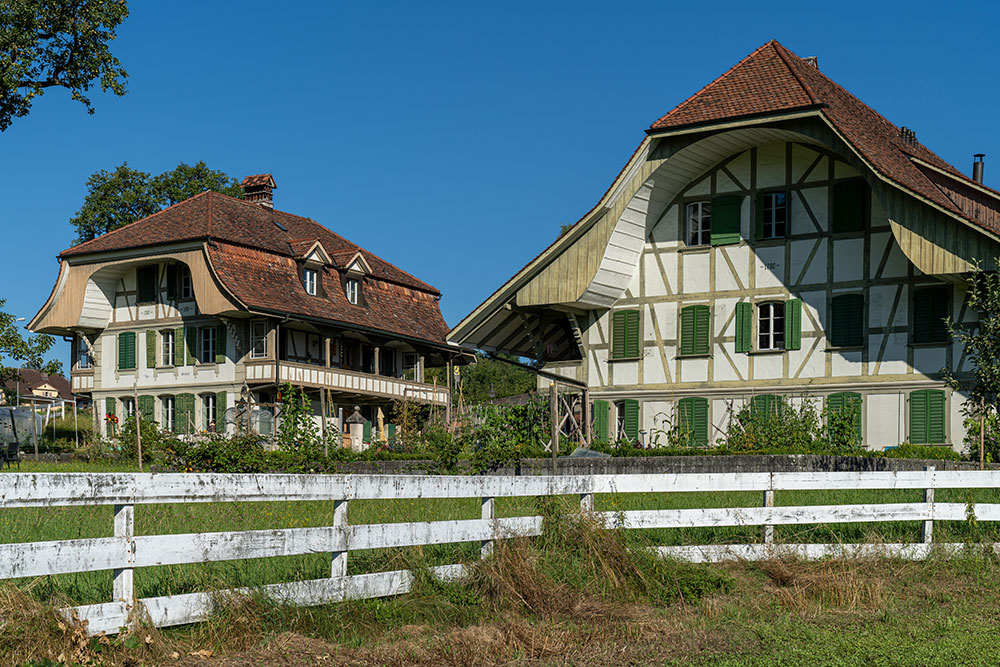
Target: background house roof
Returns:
[[29, 379]]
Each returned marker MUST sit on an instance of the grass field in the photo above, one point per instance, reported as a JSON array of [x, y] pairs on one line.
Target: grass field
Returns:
[[574, 603]]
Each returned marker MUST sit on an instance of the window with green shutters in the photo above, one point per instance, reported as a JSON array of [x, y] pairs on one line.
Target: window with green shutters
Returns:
[[930, 308], [695, 327], [766, 405], [927, 417], [628, 419], [220, 411], [726, 219], [692, 420], [126, 350], [850, 206], [602, 415], [744, 326], [109, 406], [846, 401], [145, 284], [146, 408], [625, 334], [847, 317]]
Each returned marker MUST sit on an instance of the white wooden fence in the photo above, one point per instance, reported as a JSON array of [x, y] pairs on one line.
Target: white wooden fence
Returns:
[[126, 551]]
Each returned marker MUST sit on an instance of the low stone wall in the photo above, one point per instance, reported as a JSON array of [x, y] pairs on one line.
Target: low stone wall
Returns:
[[673, 464]]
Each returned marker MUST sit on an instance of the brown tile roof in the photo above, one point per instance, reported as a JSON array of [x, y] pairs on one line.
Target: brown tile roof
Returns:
[[211, 215], [254, 251], [268, 281], [772, 79]]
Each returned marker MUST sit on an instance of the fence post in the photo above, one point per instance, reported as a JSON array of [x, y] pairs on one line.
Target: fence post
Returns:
[[586, 502], [489, 513], [769, 502], [927, 531], [123, 583], [338, 565]]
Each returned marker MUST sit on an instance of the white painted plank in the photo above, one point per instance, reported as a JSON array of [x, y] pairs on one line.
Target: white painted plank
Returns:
[[36, 559], [759, 516]]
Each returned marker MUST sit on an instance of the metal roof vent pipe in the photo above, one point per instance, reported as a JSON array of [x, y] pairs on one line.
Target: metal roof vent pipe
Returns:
[[977, 168]]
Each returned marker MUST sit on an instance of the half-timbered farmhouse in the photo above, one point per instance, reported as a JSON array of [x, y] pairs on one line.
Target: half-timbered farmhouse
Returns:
[[209, 305], [771, 236]]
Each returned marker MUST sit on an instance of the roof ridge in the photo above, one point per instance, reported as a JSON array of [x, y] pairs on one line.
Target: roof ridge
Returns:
[[784, 54], [713, 81], [143, 219]]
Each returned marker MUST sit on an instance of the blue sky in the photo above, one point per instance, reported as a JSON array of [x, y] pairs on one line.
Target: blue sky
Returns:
[[453, 139]]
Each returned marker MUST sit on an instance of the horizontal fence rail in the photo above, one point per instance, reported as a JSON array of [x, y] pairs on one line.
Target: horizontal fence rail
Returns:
[[126, 551]]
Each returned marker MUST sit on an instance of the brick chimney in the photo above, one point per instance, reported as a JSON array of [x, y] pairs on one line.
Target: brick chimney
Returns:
[[259, 189]]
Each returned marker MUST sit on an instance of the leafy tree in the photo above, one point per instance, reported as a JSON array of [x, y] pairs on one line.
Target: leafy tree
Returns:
[[15, 350], [981, 343], [45, 44], [120, 197], [488, 378]]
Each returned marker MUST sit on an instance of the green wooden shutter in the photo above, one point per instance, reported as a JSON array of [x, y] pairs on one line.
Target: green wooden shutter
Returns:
[[150, 349], [793, 324], [191, 340], [109, 406], [602, 412], [744, 326], [146, 408], [918, 417], [220, 408], [847, 315], [145, 284], [631, 333], [726, 219], [122, 352], [631, 408], [179, 346], [618, 327], [183, 409], [702, 329], [366, 431], [766, 405], [845, 400], [692, 420], [850, 205], [391, 431], [687, 330], [758, 218], [220, 344], [171, 282], [935, 416]]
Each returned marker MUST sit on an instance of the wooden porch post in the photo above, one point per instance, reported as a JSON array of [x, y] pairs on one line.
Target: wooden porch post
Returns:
[[326, 351], [378, 360], [420, 368]]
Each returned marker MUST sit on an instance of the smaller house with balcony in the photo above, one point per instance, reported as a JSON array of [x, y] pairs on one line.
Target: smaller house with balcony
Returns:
[[197, 314]]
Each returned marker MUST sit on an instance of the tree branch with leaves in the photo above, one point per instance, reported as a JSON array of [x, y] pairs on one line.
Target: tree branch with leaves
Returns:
[[61, 43]]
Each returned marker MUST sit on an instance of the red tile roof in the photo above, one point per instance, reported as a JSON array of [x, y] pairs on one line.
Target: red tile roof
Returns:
[[258, 179], [267, 281], [29, 379], [254, 251], [772, 79]]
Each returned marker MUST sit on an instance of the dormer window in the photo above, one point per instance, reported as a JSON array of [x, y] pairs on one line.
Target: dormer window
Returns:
[[352, 287], [309, 280]]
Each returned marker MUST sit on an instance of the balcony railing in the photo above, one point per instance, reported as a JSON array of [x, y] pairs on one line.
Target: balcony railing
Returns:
[[346, 382]]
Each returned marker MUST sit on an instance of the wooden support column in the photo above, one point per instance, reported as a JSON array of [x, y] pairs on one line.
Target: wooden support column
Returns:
[[554, 418], [420, 368], [326, 351], [377, 351]]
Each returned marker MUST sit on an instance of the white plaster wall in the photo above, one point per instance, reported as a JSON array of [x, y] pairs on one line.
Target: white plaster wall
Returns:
[[693, 370], [767, 366], [957, 422], [652, 368], [885, 424], [769, 265], [696, 272], [928, 360], [848, 259], [845, 363], [771, 166], [817, 198], [665, 231], [653, 285]]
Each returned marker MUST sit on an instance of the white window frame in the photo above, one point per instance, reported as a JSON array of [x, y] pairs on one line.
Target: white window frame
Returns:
[[168, 412], [352, 287], [128, 407], [210, 410], [186, 286], [208, 345], [168, 348], [770, 222], [258, 339], [83, 360], [771, 325], [698, 223], [309, 277]]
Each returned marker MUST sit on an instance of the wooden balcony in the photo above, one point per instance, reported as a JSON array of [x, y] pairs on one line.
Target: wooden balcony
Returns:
[[351, 383], [82, 380]]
